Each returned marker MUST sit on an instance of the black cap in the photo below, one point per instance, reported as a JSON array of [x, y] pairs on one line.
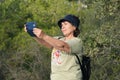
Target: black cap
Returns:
[[70, 18]]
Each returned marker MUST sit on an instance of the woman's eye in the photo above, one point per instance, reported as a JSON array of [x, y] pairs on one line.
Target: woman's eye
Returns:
[[65, 23]]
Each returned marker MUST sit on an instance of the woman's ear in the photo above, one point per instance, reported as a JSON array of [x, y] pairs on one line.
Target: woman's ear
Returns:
[[74, 28]]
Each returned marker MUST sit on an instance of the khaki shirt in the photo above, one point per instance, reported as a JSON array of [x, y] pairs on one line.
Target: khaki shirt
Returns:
[[64, 66]]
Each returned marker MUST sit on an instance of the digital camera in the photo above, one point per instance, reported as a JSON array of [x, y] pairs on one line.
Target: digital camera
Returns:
[[29, 27]]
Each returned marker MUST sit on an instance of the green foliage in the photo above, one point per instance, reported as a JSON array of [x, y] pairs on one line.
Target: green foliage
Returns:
[[21, 58]]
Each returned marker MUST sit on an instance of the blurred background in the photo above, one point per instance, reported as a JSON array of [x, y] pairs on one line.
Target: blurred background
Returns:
[[22, 58]]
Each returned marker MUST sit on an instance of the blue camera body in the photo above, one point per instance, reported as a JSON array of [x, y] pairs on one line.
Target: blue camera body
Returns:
[[29, 27]]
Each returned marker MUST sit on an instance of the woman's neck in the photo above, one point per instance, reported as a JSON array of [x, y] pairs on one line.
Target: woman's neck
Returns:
[[69, 37]]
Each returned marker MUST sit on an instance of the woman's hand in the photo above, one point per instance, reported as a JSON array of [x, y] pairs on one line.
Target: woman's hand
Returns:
[[25, 28], [39, 33]]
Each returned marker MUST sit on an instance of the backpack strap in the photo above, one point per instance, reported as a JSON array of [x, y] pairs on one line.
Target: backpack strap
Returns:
[[80, 63], [78, 60]]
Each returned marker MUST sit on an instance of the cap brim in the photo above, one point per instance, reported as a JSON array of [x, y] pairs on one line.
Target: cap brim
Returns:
[[62, 20]]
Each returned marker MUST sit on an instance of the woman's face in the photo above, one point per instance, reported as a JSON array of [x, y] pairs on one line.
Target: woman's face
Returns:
[[67, 28]]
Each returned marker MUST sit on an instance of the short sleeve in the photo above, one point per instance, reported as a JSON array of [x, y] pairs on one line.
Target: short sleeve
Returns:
[[75, 45]]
